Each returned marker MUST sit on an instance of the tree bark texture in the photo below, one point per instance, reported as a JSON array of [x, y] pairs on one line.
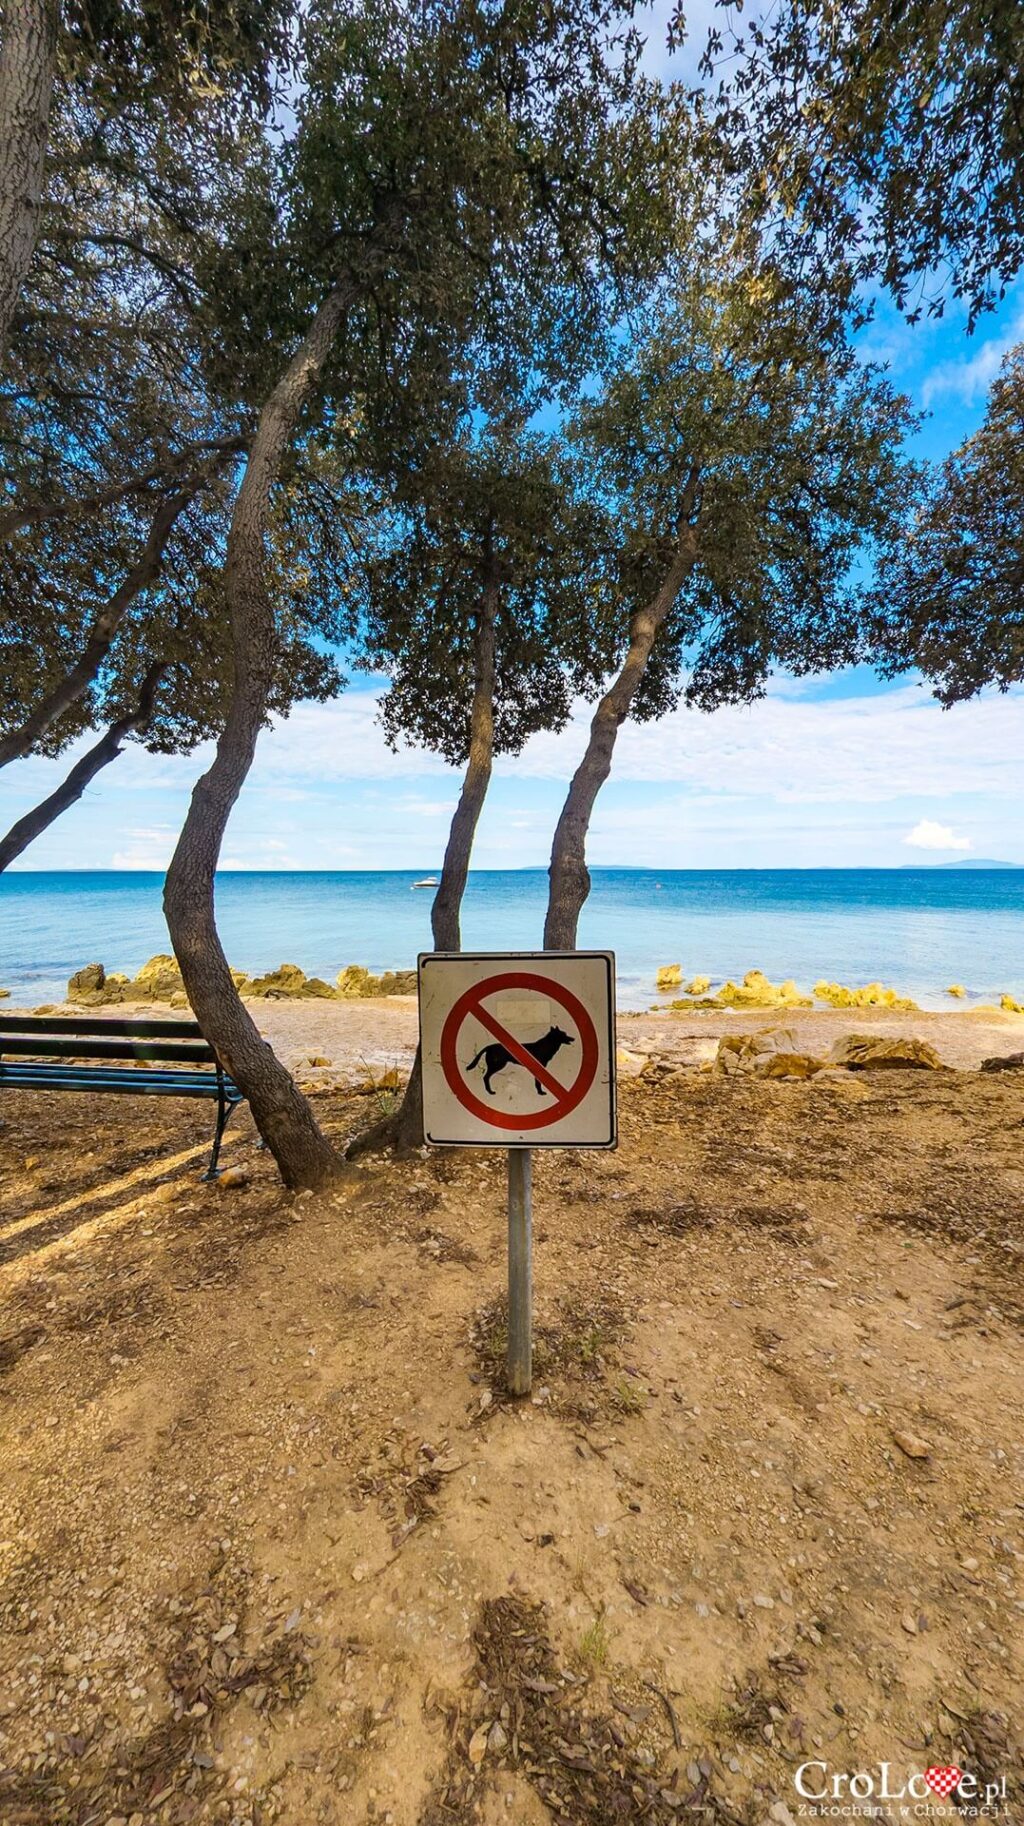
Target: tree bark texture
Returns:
[[403, 1131], [568, 876], [107, 749], [103, 632], [27, 59], [282, 1115], [446, 912]]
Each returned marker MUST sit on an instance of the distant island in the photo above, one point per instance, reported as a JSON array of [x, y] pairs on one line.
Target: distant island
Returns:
[[976, 862]]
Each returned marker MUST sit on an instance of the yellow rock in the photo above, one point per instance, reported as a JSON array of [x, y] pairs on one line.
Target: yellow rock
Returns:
[[669, 976], [789, 1065], [756, 991], [1010, 1005], [318, 1059], [872, 995], [397, 982], [87, 984], [956, 989], [911, 1445], [288, 982], [698, 985], [158, 980], [355, 980], [387, 1080], [744, 1052], [872, 1052], [315, 985]]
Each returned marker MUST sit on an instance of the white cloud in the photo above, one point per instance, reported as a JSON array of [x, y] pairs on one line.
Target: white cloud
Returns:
[[792, 747], [927, 835], [150, 847], [807, 774], [866, 749], [969, 381], [428, 808]]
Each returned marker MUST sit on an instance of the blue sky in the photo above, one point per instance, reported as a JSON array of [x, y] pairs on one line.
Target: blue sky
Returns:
[[843, 772]]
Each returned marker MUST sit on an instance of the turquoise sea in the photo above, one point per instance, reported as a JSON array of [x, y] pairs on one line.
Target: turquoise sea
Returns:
[[915, 929]]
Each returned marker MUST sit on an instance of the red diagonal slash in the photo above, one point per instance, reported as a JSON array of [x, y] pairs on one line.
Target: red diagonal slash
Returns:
[[519, 1052], [566, 1098]]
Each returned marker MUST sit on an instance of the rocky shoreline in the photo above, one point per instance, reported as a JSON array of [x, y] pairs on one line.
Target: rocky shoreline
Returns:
[[160, 981], [756, 991]]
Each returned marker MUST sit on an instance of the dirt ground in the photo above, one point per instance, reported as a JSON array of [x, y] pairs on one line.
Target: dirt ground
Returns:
[[274, 1545]]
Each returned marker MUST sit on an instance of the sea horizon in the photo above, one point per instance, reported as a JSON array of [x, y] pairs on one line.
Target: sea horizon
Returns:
[[916, 928], [967, 864]]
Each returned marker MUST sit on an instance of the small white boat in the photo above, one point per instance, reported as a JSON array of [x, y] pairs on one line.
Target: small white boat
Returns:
[[429, 881]]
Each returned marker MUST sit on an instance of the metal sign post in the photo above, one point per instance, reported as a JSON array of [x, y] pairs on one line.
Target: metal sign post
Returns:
[[519, 1356], [518, 1052]]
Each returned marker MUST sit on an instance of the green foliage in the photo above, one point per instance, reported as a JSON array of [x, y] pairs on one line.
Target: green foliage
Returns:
[[879, 142], [229, 53], [120, 389], [503, 512], [738, 423], [950, 600], [510, 155]]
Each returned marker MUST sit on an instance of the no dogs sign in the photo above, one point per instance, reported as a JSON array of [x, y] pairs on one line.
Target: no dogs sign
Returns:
[[518, 1049]]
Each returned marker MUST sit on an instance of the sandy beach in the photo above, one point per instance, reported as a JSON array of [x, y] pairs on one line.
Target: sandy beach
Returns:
[[276, 1547]]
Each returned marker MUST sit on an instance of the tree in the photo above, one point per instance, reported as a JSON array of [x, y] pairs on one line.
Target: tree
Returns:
[[950, 599], [74, 679], [483, 609], [124, 414], [135, 719], [880, 143], [113, 449], [180, 57], [455, 173], [165, 682], [747, 462]]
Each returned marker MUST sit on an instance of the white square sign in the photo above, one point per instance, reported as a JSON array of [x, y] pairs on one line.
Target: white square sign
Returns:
[[518, 1048]]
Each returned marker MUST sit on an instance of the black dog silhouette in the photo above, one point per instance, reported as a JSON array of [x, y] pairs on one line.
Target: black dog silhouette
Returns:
[[496, 1056]]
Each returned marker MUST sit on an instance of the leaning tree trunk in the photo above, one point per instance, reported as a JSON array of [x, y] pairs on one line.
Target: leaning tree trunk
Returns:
[[103, 632], [282, 1115], [568, 876], [27, 59], [404, 1130], [445, 914], [107, 749]]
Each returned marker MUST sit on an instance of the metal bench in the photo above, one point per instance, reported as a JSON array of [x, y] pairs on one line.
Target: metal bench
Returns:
[[30, 1045]]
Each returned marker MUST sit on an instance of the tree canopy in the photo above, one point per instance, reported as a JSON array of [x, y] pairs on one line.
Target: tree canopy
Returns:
[[467, 189], [879, 143], [749, 462], [949, 600], [503, 512]]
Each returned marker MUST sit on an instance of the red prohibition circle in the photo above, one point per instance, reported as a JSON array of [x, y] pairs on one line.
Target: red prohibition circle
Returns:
[[469, 1002]]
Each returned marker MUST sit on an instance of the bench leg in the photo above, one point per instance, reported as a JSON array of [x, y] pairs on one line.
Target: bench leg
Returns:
[[225, 1112]]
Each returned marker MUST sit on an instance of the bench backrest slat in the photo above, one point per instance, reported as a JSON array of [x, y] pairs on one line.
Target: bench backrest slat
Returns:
[[49, 1046], [100, 1025]]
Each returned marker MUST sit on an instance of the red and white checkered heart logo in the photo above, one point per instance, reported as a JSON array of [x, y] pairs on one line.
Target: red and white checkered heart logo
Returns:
[[942, 1781]]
